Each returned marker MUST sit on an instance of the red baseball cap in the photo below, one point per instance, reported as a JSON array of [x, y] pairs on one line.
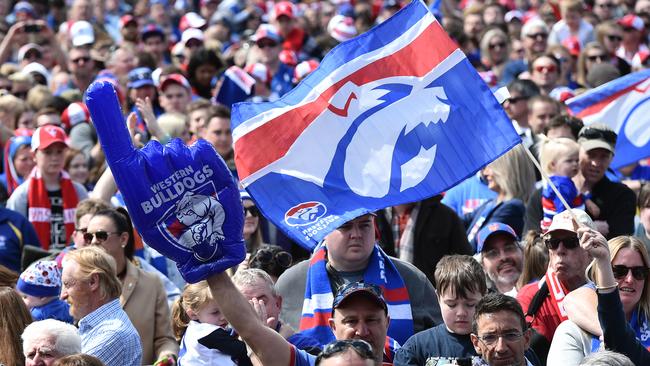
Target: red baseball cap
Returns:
[[75, 113], [283, 8], [174, 79], [47, 135], [632, 21], [127, 19]]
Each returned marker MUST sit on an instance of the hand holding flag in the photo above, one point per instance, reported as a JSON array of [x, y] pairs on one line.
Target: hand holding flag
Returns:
[[183, 200]]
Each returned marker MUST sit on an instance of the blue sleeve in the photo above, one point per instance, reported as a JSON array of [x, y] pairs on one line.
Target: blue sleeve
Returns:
[[452, 198], [619, 337], [29, 234], [302, 358], [512, 213]]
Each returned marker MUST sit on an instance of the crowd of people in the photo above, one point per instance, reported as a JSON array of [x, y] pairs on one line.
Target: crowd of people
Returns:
[[512, 266]]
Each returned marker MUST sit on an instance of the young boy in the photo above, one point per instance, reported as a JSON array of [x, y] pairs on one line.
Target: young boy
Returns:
[[40, 286], [460, 284]]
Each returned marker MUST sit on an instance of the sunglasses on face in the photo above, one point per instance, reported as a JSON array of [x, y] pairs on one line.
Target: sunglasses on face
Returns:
[[361, 347], [614, 38], [252, 210], [517, 99], [265, 256], [599, 58], [607, 5], [639, 273], [500, 45], [266, 44], [546, 68], [101, 236], [569, 243], [80, 59], [597, 134], [541, 35]]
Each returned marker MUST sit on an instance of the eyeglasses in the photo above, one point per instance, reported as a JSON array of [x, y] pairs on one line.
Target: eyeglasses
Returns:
[[614, 38], [639, 273], [546, 68], [607, 5], [361, 347], [253, 210], [541, 35], [266, 256], [100, 235], [517, 99], [500, 45], [491, 340], [507, 249], [266, 44], [589, 133], [599, 58], [569, 243], [79, 59]]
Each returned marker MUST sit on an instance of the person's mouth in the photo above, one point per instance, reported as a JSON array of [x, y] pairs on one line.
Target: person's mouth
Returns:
[[626, 289]]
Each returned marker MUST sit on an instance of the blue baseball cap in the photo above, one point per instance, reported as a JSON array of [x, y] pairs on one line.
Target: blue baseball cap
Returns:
[[140, 77], [491, 229], [151, 30], [372, 292]]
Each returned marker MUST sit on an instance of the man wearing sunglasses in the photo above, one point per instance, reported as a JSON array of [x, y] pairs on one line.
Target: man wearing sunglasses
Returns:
[[268, 44], [534, 38], [617, 203], [566, 272]]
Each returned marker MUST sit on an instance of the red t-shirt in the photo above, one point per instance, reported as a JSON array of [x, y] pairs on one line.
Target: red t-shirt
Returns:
[[546, 319]]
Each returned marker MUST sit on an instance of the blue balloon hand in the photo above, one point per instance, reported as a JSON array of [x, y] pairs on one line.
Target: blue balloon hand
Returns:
[[183, 200]]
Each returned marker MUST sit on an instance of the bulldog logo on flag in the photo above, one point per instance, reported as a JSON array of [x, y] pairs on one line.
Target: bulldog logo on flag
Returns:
[[182, 200]]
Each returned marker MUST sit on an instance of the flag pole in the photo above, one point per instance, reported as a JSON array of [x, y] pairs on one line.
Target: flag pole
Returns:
[[553, 187]]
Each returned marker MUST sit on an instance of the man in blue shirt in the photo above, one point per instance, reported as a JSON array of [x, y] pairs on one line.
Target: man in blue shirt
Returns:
[[91, 286], [15, 233]]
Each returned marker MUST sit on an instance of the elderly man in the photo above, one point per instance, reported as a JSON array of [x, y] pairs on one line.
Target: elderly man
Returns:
[[501, 256], [91, 286], [566, 272], [534, 38], [500, 334], [617, 203], [48, 340], [360, 312], [350, 254], [258, 287]]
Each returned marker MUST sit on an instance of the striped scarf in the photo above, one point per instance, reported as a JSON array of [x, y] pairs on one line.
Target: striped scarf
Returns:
[[317, 308], [40, 210]]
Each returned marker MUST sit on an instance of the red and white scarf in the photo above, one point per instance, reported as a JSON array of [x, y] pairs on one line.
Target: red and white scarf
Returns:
[[558, 293], [39, 209]]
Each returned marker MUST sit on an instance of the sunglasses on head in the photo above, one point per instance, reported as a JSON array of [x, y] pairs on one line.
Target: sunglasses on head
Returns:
[[569, 243], [597, 134], [100, 235], [361, 347], [266, 256], [639, 273], [546, 68], [252, 210]]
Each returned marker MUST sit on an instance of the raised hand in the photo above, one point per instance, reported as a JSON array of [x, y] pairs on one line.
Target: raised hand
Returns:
[[183, 200]]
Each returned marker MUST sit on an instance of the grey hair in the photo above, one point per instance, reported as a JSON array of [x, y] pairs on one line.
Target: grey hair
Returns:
[[531, 24], [606, 358], [252, 276], [67, 339]]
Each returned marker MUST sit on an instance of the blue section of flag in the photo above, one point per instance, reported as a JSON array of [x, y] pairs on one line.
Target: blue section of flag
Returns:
[[624, 105]]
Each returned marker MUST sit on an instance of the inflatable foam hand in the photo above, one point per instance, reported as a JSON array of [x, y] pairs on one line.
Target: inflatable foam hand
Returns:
[[183, 200]]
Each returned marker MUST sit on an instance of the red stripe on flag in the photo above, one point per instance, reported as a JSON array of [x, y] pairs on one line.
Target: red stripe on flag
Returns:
[[271, 141], [597, 107], [319, 319]]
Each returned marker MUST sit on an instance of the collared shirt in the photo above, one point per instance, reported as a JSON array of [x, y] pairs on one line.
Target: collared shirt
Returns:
[[108, 334]]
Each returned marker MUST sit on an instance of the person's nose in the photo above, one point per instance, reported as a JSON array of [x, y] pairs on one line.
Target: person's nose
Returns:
[[64, 294], [355, 231], [361, 329], [501, 345]]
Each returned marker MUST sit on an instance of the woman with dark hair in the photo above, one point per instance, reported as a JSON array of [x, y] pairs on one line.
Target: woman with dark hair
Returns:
[[143, 297], [14, 317], [204, 65]]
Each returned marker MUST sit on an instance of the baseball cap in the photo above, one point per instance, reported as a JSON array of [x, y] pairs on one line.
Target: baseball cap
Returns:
[[266, 31], [491, 229], [514, 14], [139, 77], [24, 50], [127, 19], [75, 114], [82, 33], [24, 7], [47, 135], [372, 292], [632, 21], [342, 28], [190, 34], [597, 136], [35, 67], [259, 71], [572, 44], [283, 8], [288, 57], [151, 30], [303, 69], [564, 221], [174, 79], [191, 20]]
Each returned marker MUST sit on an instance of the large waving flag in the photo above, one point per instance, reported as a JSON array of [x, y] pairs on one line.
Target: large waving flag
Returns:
[[395, 115], [624, 105]]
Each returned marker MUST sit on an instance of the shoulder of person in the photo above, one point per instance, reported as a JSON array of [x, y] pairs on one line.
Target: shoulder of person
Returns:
[[408, 271], [298, 270]]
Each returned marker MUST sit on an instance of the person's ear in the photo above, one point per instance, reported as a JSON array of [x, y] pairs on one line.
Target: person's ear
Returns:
[[278, 301], [476, 343], [528, 335], [332, 324], [93, 281], [124, 239], [192, 314]]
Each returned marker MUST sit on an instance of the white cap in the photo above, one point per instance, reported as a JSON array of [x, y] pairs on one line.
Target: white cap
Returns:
[[82, 33], [38, 68], [192, 33]]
